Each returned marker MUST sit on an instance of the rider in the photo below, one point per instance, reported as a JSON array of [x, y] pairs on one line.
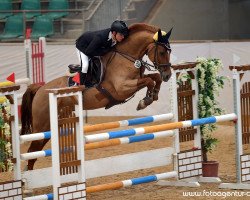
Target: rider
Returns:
[[97, 43]]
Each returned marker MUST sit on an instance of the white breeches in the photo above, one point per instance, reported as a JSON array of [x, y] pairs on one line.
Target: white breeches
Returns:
[[84, 61]]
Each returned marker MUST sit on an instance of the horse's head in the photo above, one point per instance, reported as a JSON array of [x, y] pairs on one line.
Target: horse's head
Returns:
[[159, 54]]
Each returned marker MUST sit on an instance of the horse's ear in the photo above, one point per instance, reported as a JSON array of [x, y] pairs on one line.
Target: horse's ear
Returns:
[[159, 35], [169, 33]]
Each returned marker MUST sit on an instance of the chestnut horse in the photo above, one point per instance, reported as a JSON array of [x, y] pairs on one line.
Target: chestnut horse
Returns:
[[122, 79]]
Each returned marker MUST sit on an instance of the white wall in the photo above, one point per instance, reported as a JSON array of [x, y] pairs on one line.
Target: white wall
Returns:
[[58, 57]]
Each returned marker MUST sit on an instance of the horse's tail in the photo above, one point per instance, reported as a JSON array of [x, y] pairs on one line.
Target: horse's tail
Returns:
[[26, 108]]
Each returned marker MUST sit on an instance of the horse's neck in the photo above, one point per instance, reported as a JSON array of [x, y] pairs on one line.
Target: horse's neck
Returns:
[[137, 44]]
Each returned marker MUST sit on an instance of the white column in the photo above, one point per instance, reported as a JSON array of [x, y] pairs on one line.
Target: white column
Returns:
[[28, 51], [80, 138], [197, 136], [43, 41], [54, 143], [174, 110], [15, 138], [238, 126]]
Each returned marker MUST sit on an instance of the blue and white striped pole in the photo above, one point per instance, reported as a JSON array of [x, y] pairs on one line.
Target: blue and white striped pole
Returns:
[[157, 128], [95, 145], [131, 182], [108, 125], [40, 197]]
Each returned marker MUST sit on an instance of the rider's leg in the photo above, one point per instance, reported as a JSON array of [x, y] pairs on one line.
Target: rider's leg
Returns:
[[84, 60]]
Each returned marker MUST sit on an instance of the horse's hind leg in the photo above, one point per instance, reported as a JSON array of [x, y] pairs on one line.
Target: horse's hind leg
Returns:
[[35, 146]]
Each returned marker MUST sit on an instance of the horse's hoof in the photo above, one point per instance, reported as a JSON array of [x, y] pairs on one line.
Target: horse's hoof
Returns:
[[148, 100], [144, 103], [141, 105]]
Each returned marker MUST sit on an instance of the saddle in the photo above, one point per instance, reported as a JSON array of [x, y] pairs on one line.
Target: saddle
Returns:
[[94, 75]]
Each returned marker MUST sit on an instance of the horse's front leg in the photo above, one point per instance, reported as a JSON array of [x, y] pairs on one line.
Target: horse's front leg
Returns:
[[156, 77], [148, 99]]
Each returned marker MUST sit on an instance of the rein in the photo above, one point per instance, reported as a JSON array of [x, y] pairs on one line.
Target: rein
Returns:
[[149, 67], [133, 60]]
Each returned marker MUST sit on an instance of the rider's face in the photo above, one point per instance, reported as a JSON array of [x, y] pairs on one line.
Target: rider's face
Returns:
[[119, 37]]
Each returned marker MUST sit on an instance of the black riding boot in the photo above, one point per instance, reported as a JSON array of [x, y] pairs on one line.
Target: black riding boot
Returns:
[[83, 77]]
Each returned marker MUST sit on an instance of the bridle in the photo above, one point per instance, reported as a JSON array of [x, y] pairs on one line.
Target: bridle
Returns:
[[157, 66]]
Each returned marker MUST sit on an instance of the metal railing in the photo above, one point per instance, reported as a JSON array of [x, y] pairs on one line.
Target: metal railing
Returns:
[[109, 10], [105, 13], [25, 20], [47, 1]]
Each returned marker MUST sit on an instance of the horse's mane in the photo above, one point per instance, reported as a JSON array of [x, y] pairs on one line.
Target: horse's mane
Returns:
[[142, 27], [138, 28]]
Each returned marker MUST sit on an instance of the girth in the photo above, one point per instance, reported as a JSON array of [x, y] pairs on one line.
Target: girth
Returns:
[[112, 100]]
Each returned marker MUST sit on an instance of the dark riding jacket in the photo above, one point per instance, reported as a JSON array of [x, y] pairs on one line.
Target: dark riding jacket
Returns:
[[94, 43]]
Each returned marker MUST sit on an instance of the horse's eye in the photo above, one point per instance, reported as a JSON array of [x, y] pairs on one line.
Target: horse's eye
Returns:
[[162, 53]]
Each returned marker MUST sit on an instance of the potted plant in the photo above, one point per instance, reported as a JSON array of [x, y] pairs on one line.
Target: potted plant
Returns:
[[209, 83]]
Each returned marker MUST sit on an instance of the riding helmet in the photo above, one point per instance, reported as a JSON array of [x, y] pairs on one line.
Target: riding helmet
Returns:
[[120, 27]]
